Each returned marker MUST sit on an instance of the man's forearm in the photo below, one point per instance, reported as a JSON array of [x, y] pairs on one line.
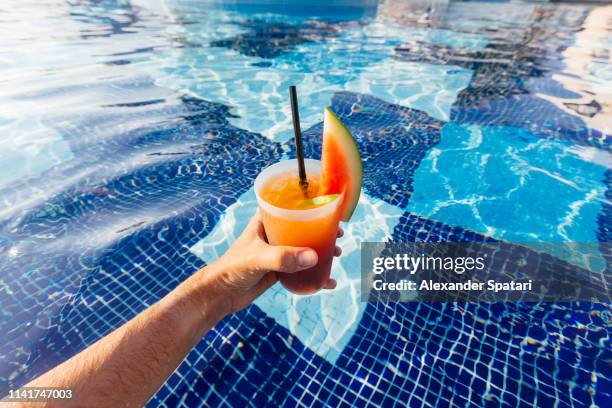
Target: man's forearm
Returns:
[[126, 367]]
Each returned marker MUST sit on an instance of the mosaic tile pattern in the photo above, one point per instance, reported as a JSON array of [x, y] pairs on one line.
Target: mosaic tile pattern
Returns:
[[103, 231], [476, 177], [507, 74], [501, 331], [123, 267], [318, 69], [406, 354], [311, 319], [604, 220], [392, 141], [266, 40]]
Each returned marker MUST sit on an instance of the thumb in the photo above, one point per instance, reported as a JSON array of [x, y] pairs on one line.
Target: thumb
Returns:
[[287, 258]]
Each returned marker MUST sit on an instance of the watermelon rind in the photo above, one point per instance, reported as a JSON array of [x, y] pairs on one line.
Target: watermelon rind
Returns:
[[333, 127]]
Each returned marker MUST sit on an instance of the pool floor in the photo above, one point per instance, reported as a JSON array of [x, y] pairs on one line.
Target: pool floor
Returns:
[[131, 134]]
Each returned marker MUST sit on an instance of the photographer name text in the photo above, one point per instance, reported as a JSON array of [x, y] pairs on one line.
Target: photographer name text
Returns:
[[458, 265]]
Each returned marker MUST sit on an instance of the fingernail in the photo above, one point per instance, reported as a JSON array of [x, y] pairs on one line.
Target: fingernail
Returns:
[[307, 258], [331, 284]]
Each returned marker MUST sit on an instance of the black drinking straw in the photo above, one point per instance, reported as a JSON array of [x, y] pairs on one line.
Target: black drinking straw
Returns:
[[298, 137]]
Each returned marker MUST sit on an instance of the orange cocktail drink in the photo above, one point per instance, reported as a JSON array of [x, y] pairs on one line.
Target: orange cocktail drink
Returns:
[[291, 218]]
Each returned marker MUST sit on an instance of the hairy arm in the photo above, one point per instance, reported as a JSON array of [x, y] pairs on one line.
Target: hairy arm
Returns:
[[126, 367]]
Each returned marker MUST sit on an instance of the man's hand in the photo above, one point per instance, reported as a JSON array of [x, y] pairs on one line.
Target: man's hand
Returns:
[[125, 367], [251, 265]]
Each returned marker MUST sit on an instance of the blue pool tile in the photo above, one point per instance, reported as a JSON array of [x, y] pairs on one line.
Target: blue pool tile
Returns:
[[495, 197], [269, 38], [506, 77], [149, 174], [193, 189], [392, 141], [468, 356], [534, 114]]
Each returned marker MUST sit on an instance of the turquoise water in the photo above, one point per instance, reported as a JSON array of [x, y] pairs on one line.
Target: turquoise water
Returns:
[[131, 133], [508, 183]]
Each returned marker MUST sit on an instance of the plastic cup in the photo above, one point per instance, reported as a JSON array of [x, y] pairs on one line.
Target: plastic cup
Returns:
[[316, 228]]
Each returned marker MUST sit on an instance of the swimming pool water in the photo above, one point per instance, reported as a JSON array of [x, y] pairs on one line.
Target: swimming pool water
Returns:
[[131, 133]]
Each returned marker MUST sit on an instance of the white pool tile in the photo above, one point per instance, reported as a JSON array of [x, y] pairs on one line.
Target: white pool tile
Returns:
[[324, 322]]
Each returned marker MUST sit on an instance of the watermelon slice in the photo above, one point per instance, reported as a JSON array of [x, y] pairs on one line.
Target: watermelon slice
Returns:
[[341, 169]]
